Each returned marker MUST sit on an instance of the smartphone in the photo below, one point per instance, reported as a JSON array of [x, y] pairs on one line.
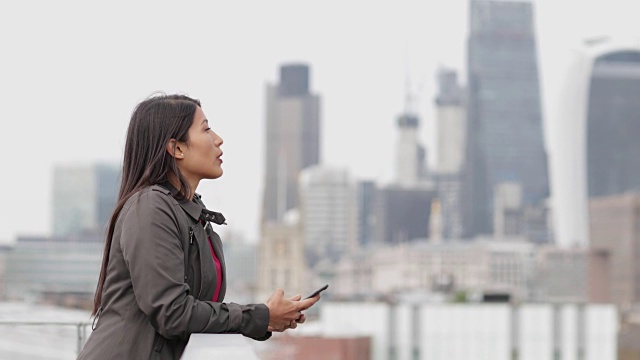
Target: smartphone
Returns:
[[317, 292]]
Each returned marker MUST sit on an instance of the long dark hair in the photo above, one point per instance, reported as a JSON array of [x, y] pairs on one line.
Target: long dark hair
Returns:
[[154, 122]]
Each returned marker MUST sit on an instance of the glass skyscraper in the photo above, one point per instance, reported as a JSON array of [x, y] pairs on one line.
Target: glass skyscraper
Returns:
[[505, 137], [613, 125]]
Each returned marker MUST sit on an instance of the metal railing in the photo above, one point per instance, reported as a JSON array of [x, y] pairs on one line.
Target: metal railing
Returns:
[[200, 346], [81, 327]]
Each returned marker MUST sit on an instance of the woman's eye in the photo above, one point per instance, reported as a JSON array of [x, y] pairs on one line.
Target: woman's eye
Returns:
[[207, 129]]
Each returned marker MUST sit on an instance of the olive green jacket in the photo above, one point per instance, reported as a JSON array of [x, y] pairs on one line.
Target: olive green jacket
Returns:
[[160, 281]]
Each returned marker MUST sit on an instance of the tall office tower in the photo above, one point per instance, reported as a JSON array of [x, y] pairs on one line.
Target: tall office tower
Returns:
[[613, 131], [450, 145], [83, 198], [504, 128], [292, 138], [366, 197], [328, 213], [594, 133], [410, 161]]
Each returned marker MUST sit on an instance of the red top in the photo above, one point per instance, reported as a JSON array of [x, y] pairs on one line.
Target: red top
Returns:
[[218, 273]]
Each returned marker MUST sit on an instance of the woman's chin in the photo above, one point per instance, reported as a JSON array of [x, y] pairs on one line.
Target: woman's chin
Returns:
[[216, 174]]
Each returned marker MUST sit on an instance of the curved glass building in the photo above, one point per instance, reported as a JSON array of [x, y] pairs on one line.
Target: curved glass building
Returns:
[[595, 134]]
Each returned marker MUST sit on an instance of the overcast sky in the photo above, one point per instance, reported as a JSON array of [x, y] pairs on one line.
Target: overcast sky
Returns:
[[71, 73]]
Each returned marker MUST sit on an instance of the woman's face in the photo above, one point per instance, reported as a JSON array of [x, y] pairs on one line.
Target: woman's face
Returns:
[[201, 157]]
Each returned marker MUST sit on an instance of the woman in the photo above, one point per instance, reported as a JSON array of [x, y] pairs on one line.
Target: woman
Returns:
[[163, 271]]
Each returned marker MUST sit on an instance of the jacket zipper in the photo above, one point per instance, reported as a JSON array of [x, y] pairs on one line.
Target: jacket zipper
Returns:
[[188, 251], [191, 238]]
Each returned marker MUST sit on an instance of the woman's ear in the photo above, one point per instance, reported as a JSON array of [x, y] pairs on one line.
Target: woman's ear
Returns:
[[174, 148]]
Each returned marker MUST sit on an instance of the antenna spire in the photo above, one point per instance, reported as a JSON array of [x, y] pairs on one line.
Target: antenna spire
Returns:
[[408, 96]]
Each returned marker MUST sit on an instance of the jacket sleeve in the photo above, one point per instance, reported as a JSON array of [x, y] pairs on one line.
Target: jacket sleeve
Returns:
[[153, 253]]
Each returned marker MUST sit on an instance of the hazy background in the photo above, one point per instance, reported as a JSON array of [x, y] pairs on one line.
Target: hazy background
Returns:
[[71, 73]]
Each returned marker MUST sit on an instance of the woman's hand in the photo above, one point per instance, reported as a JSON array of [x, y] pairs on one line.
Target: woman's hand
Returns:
[[287, 313]]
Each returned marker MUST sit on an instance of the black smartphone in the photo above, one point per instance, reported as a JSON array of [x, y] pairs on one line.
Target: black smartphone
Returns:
[[317, 292]]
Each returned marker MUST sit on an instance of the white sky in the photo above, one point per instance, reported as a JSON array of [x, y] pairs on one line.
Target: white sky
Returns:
[[71, 73]]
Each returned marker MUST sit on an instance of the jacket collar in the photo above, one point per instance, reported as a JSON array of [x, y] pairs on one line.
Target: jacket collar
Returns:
[[195, 208], [192, 208]]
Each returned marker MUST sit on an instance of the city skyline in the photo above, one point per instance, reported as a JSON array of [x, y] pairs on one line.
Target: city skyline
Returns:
[[78, 82]]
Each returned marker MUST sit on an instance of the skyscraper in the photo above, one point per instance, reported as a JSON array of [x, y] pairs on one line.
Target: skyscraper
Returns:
[[505, 137], [292, 139], [594, 133], [613, 125], [451, 123], [83, 198], [451, 143], [292, 143]]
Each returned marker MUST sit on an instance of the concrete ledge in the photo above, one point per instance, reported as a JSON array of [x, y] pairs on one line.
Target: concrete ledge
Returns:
[[219, 346]]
